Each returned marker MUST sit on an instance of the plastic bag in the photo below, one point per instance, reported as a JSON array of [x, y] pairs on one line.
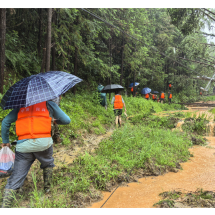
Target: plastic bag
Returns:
[[7, 158]]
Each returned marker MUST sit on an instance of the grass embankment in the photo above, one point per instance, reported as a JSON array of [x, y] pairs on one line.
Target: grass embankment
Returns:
[[197, 199], [135, 150]]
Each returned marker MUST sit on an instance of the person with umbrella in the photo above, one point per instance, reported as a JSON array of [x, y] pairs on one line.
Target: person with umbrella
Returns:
[[154, 96], [118, 104], [33, 112], [146, 92], [133, 88]]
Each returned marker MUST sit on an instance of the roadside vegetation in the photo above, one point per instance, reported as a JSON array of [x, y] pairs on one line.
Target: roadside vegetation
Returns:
[[176, 199], [145, 145]]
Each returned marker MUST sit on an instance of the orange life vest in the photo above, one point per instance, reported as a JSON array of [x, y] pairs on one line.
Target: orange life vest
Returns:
[[170, 95], [170, 85], [118, 102], [147, 96], [162, 96], [153, 97], [132, 89], [33, 122]]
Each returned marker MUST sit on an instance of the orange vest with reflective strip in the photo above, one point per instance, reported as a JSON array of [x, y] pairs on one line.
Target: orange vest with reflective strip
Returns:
[[153, 97], [33, 122], [147, 96], [162, 96], [118, 104], [170, 95]]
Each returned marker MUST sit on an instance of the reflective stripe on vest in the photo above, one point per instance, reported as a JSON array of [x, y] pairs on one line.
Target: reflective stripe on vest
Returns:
[[170, 95], [147, 96], [33, 122], [118, 102], [162, 95]]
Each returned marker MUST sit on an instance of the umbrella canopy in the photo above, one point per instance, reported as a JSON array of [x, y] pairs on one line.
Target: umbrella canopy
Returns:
[[38, 88], [155, 92], [112, 88], [145, 90], [132, 84]]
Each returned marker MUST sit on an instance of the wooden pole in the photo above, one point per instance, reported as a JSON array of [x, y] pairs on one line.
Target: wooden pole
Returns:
[[48, 45]]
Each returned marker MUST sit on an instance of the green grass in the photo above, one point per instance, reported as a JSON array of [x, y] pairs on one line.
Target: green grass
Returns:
[[129, 148]]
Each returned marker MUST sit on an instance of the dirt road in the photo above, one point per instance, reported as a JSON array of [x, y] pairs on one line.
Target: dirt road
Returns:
[[198, 172]]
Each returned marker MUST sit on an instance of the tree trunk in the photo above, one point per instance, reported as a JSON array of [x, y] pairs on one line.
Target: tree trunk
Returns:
[[110, 55], [44, 56], [48, 44], [2, 46], [53, 47], [75, 66], [39, 32], [122, 61]]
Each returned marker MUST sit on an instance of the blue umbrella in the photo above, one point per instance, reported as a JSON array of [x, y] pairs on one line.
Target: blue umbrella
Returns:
[[38, 88], [145, 90], [132, 84]]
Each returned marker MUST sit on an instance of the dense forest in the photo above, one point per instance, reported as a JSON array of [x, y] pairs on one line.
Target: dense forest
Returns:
[[105, 45]]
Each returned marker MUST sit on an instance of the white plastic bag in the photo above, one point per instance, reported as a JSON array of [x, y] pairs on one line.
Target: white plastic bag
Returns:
[[7, 158]]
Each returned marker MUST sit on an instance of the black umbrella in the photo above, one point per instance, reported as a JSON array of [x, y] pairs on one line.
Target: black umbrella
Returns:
[[112, 88], [155, 92]]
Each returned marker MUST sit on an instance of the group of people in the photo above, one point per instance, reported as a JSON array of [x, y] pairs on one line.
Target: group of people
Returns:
[[161, 98], [154, 96]]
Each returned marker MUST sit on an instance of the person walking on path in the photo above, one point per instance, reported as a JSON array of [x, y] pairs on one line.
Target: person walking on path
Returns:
[[147, 96], [200, 93], [169, 97], [102, 96], [55, 129], [118, 103], [154, 97], [33, 128], [162, 97], [132, 90]]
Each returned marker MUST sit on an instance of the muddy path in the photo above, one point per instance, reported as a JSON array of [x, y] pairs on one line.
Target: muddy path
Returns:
[[198, 172], [65, 156]]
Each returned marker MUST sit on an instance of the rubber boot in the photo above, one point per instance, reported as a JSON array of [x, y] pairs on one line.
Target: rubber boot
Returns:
[[47, 177], [8, 198]]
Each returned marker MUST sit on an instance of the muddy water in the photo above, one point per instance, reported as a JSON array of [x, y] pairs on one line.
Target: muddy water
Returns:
[[198, 172]]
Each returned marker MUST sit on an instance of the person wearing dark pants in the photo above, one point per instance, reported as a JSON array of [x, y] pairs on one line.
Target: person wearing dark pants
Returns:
[[33, 128], [169, 97], [118, 103]]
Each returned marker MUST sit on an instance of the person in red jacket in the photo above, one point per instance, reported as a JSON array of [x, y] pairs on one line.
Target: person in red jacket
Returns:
[[200, 93], [170, 85], [33, 128], [170, 97], [118, 104], [154, 97], [162, 97]]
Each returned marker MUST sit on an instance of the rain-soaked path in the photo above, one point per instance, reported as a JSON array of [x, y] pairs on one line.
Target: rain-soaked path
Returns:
[[198, 172]]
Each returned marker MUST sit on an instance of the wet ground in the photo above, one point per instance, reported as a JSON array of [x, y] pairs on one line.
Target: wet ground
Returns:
[[198, 172]]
